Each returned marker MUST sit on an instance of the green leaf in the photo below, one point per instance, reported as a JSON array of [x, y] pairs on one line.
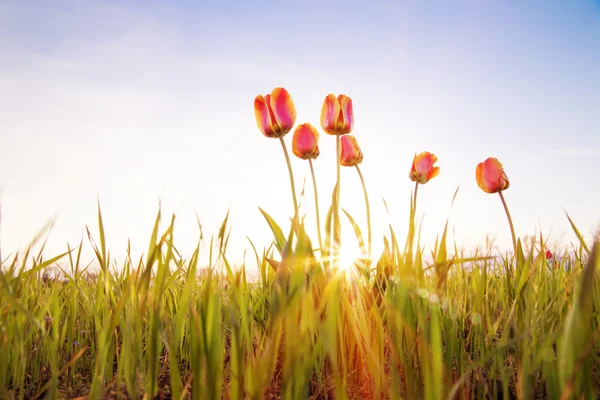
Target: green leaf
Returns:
[[577, 340], [579, 236], [277, 232], [357, 232]]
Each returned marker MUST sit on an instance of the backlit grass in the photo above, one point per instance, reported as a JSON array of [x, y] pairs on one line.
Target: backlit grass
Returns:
[[501, 328], [325, 318]]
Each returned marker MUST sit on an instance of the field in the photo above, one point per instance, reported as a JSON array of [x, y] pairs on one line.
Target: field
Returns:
[[521, 325]]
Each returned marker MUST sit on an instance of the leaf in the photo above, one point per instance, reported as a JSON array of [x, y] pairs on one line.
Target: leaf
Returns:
[[578, 330], [273, 263], [41, 266], [579, 236], [326, 252], [277, 232], [357, 232], [304, 245]]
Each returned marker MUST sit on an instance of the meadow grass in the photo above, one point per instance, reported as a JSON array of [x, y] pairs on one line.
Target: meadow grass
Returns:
[[462, 326]]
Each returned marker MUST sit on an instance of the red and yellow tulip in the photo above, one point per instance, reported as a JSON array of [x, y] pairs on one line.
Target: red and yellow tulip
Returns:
[[275, 113], [423, 168], [337, 117], [351, 154], [305, 142], [491, 177]]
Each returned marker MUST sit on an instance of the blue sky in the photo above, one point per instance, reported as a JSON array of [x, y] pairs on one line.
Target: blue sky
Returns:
[[132, 102]]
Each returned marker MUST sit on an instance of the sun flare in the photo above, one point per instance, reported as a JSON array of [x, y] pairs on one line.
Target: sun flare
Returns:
[[349, 253]]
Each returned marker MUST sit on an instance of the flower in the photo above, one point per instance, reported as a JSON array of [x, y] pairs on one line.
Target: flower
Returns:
[[337, 117], [275, 113], [491, 177], [351, 153], [549, 255], [305, 142], [423, 169]]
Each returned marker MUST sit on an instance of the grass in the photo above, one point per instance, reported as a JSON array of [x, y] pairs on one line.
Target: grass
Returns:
[[464, 326], [507, 327]]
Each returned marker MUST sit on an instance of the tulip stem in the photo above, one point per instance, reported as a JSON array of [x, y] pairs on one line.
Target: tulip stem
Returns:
[[362, 180], [312, 172], [336, 243], [415, 200], [289, 165], [413, 217], [512, 228]]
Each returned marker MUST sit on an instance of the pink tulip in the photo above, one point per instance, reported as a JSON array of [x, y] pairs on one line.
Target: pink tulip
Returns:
[[305, 142], [491, 177], [275, 113], [351, 153], [423, 169], [337, 117]]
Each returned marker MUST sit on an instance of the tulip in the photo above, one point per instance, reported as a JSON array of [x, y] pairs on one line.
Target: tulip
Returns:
[[305, 142], [337, 117], [491, 177], [275, 113], [549, 255], [423, 169], [351, 156], [351, 153]]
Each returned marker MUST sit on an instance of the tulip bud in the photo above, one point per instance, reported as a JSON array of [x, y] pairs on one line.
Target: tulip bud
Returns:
[[491, 177], [305, 142], [351, 153], [275, 113], [337, 117]]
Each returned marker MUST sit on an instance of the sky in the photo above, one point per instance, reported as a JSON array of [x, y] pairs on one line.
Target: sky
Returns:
[[134, 103]]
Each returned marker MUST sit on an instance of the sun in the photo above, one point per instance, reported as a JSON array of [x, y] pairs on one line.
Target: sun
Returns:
[[349, 251]]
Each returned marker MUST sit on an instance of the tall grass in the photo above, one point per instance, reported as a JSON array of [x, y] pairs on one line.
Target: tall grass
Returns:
[[394, 326], [460, 327]]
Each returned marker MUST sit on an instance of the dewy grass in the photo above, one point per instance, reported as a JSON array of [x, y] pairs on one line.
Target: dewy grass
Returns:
[[462, 326]]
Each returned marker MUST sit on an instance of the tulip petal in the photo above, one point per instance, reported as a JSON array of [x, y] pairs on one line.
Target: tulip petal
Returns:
[[329, 114], [412, 174], [284, 110], [263, 116], [503, 182], [433, 173], [345, 122], [495, 175], [480, 178]]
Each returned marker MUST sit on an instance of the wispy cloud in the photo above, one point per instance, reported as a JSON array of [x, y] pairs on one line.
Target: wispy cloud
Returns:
[[573, 152]]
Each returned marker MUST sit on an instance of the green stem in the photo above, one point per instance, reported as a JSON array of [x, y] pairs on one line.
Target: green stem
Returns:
[[367, 204], [512, 228], [415, 200], [336, 243], [312, 172], [413, 219], [289, 165]]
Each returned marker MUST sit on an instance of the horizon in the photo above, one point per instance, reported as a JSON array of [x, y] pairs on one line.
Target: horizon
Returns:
[[128, 106]]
